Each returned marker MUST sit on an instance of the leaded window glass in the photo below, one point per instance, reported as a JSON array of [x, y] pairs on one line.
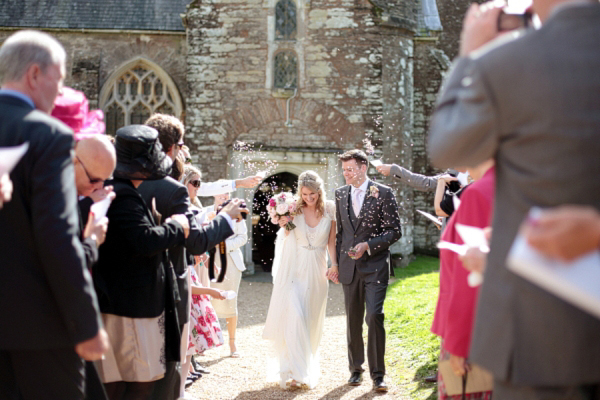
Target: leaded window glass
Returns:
[[285, 20], [136, 94], [286, 70]]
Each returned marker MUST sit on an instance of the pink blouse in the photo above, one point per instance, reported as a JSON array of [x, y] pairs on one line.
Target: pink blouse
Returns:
[[455, 311]]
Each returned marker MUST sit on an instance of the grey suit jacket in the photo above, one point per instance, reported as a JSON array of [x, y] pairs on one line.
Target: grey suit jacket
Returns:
[[378, 224], [533, 104], [416, 181]]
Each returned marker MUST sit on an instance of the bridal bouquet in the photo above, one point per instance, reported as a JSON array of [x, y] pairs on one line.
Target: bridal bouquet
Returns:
[[282, 205]]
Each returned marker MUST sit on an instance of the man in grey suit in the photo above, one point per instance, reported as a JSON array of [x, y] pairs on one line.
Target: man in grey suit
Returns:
[[532, 104], [367, 225]]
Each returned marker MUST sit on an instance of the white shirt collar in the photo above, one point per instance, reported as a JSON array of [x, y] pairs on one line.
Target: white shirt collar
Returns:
[[362, 187]]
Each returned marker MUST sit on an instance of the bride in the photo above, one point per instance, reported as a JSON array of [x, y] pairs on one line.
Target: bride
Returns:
[[297, 310]]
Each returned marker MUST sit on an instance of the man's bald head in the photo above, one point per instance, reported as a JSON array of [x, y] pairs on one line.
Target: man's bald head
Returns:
[[95, 161]]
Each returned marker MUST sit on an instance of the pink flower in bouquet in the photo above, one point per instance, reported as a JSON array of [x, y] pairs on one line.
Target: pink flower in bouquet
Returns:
[[293, 208], [282, 209], [285, 205]]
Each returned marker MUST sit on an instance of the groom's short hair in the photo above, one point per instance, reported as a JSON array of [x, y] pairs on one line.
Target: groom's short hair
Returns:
[[358, 155]]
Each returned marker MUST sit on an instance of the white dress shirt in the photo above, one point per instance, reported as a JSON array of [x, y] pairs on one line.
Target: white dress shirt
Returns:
[[361, 199], [361, 195]]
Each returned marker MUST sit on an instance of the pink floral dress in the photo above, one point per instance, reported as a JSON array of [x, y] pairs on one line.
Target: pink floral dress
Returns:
[[205, 331]]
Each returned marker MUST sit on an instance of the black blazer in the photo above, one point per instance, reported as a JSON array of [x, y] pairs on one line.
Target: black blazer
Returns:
[[130, 275], [172, 198], [46, 295]]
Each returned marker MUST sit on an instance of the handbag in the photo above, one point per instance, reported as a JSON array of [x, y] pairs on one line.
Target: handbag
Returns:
[[475, 381]]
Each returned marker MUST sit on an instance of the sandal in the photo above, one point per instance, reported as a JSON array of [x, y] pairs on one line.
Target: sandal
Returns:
[[233, 354]]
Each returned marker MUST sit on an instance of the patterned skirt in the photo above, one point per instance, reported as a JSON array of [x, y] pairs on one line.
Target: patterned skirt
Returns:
[[444, 355], [205, 331]]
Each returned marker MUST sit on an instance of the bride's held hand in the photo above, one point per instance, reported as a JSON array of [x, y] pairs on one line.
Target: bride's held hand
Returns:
[[333, 274]]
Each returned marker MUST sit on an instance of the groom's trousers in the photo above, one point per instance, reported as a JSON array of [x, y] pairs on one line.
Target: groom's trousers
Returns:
[[357, 294]]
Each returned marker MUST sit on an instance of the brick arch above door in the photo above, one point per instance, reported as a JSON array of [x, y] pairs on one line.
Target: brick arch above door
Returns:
[[325, 120]]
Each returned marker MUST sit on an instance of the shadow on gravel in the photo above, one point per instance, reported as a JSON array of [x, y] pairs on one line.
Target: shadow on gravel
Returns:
[[209, 363], [273, 392], [337, 393]]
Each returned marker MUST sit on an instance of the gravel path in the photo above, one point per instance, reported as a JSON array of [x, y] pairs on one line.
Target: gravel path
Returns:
[[244, 378]]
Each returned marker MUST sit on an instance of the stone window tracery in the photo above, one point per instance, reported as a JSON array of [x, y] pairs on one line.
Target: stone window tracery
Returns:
[[136, 91], [286, 70], [285, 20]]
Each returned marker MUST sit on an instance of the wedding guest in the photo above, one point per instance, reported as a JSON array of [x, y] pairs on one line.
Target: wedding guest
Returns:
[[510, 97], [135, 300], [208, 189], [170, 197], [233, 276], [192, 179], [206, 331], [95, 161], [48, 307], [455, 311]]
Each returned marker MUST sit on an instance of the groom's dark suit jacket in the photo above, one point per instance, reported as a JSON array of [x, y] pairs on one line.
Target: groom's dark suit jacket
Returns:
[[47, 299], [378, 224]]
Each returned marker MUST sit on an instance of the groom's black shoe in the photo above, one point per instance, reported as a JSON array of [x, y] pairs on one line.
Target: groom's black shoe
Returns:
[[355, 379], [379, 385]]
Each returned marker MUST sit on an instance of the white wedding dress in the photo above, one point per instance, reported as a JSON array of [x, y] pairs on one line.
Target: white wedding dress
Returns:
[[297, 310]]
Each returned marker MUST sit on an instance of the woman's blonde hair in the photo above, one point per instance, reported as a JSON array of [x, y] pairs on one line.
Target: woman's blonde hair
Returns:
[[311, 180], [189, 172]]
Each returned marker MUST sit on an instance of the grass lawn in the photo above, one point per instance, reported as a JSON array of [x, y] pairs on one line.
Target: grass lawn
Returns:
[[411, 349]]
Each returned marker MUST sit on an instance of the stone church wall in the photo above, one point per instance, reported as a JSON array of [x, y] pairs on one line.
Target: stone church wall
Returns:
[[93, 56], [355, 82]]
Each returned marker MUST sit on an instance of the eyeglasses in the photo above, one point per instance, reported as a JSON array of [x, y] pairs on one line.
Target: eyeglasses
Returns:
[[92, 180], [196, 183]]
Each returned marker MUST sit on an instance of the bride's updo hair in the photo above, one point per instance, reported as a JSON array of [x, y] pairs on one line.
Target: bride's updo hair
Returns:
[[311, 180]]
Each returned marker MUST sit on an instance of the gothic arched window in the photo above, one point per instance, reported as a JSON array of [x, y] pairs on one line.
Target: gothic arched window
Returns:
[[285, 20], [134, 92], [285, 70]]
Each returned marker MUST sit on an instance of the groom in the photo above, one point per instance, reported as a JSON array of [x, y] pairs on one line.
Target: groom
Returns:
[[367, 222]]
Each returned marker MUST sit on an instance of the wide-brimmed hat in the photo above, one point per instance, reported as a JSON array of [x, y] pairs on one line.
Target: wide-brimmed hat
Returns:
[[140, 155], [71, 107]]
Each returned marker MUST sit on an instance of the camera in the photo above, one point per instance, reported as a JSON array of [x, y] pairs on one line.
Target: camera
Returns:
[[508, 21], [242, 205]]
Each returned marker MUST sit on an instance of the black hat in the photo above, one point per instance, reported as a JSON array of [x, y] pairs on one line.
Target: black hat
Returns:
[[140, 155]]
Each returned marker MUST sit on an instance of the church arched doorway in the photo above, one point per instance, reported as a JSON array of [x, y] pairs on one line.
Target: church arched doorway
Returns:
[[264, 232]]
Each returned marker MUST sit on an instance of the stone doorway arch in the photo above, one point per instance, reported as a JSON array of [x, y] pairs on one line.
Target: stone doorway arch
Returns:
[[263, 231], [324, 162]]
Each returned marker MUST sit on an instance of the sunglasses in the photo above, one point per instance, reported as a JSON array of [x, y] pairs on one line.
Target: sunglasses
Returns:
[[196, 183], [92, 180]]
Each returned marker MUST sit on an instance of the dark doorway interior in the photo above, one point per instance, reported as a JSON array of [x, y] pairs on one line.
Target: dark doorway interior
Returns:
[[264, 232]]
